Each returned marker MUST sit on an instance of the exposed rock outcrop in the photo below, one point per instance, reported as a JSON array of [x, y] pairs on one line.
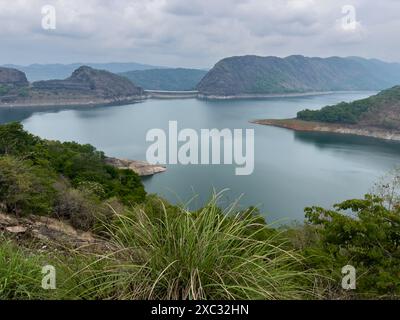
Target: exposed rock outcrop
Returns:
[[97, 82], [142, 168], [85, 87], [49, 230], [12, 77]]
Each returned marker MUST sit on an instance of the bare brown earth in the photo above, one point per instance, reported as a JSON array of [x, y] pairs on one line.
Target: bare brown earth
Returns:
[[45, 231], [359, 130]]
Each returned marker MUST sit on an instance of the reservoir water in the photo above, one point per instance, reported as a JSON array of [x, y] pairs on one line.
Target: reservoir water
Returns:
[[292, 170]]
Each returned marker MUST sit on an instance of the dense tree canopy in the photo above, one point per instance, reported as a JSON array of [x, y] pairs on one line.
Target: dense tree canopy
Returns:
[[30, 169], [381, 110]]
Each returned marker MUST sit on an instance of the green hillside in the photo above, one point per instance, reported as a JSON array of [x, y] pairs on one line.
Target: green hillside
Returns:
[[251, 75], [381, 110]]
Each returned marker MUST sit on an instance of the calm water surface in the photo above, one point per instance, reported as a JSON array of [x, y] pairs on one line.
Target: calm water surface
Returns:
[[292, 170]]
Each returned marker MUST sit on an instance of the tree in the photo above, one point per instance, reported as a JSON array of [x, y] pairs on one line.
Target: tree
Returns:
[[25, 189], [14, 140], [369, 240]]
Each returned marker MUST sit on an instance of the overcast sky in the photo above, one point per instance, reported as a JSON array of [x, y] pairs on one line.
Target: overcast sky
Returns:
[[195, 33]]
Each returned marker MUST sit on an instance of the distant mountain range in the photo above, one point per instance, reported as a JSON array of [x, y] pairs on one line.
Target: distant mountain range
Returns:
[[178, 79], [243, 77], [36, 72], [257, 76]]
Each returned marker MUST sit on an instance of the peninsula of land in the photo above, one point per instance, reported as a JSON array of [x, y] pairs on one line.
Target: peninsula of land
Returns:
[[377, 116]]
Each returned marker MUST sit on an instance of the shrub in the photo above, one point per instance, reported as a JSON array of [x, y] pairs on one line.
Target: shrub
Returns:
[[25, 189], [15, 141], [204, 255], [83, 165], [82, 207], [369, 241]]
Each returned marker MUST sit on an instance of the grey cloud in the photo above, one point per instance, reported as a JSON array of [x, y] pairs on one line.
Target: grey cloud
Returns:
[[194, 33]]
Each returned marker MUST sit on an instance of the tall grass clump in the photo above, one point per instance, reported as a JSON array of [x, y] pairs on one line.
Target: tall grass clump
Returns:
[[206, 254], [20, 273]]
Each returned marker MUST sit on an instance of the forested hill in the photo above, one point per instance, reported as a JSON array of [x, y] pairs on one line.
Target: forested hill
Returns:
[[255, 75], [381, 110]]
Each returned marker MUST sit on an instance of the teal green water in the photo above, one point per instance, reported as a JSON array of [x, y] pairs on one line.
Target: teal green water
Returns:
[[292, 170]]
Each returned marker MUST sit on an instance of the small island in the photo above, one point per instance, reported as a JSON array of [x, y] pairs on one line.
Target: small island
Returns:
[[377, 116]]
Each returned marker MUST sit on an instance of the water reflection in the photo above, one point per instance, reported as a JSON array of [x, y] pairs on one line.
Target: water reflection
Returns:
[[325, 140]]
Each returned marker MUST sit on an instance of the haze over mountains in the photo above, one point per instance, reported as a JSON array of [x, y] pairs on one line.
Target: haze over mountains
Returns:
[[234, 77], [36, 72], [178, 79], [244, 76], [255, 75]]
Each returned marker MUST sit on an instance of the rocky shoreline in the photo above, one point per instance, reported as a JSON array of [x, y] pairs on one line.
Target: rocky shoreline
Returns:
[[300, 125], [142, 168]]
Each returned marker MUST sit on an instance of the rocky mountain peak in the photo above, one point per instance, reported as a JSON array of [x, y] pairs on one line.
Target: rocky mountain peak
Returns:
[[13, 77]]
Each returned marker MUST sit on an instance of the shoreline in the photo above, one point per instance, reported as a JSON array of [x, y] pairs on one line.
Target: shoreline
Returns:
[[162, 95], [165, 94], [274, 95], [309, 126], [142, 168], [71, 103]]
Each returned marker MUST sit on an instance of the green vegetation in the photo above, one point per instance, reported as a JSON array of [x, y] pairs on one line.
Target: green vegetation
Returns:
[[378, 110], [20, 276], [53, 178], [11, 90], [209, 254], [21, 272], [154, 250], [4, 89], [23, 92], [368, 239], [25, 188], [236, 76], [343, 112]]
